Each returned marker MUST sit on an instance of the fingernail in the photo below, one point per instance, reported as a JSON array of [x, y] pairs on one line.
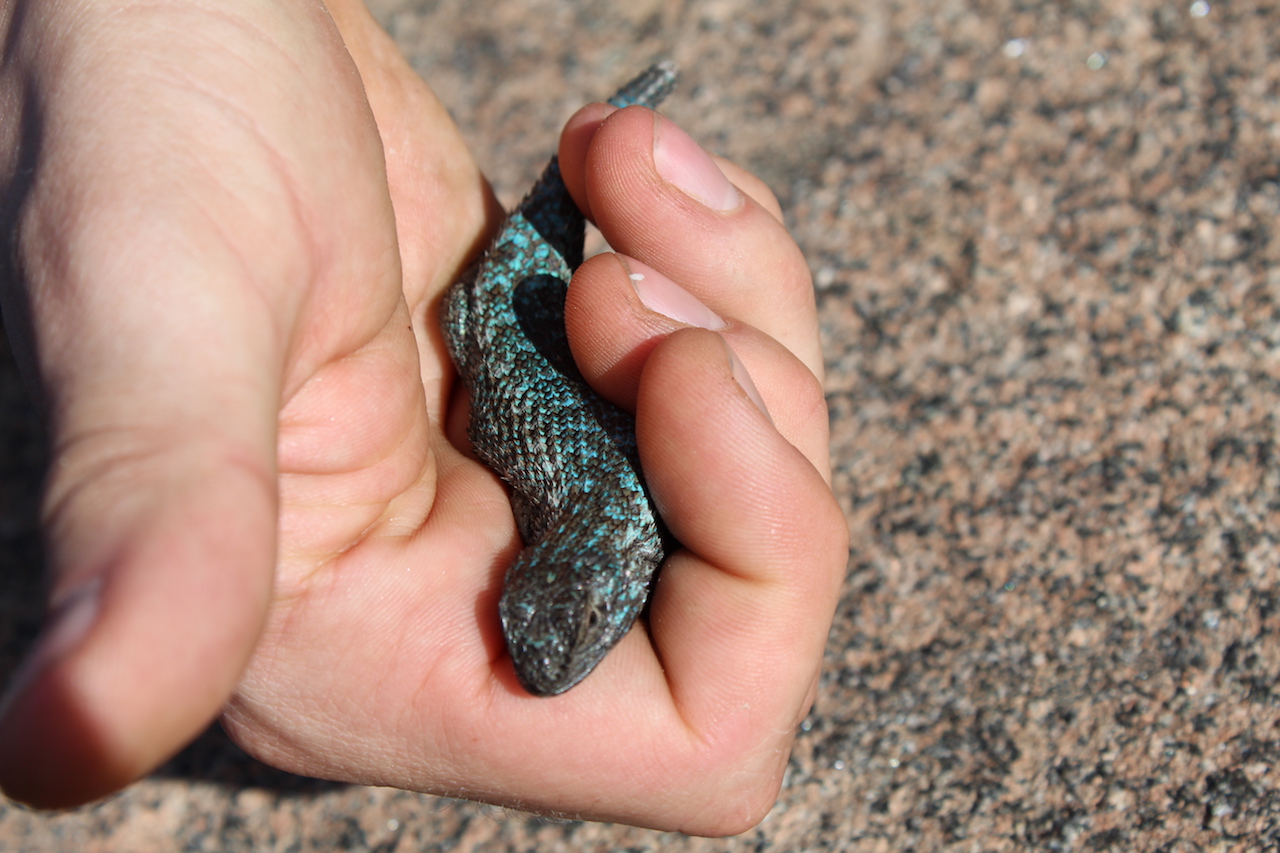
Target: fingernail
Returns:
[[743, 379], [682, 162], [68, 625], [661, 294]]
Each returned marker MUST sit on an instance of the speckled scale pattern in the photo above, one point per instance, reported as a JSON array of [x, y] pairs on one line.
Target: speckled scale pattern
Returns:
[[593, 540]]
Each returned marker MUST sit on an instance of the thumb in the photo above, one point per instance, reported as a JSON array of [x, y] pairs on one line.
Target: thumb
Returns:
[[171, 227], [161, 522]]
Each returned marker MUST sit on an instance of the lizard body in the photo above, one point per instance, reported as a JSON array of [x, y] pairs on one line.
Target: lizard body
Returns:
[[593, 540]]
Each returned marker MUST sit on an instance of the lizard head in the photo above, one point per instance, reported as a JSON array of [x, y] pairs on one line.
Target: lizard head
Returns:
[[560, 617]]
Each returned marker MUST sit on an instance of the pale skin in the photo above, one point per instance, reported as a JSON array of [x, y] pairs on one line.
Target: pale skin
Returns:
[[234, 221]]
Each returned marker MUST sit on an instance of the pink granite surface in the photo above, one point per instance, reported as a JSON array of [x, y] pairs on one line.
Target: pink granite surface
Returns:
[[1044, 244]]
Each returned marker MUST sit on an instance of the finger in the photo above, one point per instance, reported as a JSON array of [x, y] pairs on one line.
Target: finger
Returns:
[[575, 141], [618, 309], [740, 615], [430, 170], [576, 138], [658, 197], [445, 209]]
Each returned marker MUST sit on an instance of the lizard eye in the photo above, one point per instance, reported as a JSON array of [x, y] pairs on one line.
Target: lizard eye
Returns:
[[592, 618]]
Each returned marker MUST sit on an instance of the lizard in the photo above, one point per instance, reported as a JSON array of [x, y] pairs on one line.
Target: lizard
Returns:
[[592, 537]]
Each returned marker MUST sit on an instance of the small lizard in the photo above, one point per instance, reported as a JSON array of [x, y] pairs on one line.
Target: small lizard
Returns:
[[593, 540]]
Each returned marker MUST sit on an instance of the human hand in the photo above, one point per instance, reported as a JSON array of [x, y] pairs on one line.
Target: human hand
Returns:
[[253, 495]]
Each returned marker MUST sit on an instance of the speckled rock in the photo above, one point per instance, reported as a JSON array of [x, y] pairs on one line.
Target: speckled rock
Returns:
[[1043, 242]]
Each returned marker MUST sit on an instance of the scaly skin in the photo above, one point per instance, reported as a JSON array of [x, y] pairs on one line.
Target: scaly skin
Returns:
[[593, 540]]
